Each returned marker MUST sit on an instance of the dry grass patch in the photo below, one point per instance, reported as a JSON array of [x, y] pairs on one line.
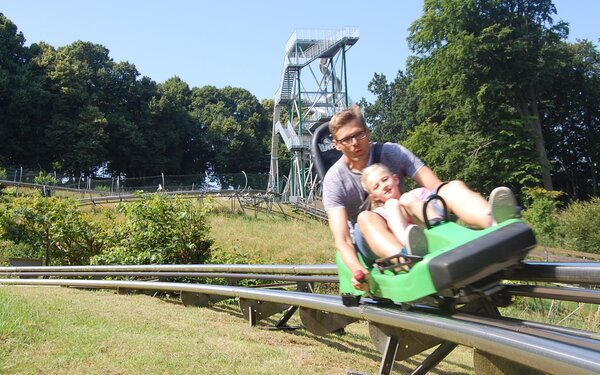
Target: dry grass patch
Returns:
[[273, 240]]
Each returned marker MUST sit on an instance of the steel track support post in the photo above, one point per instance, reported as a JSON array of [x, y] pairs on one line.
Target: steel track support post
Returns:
[[434, 358], [282, 323], [389, 355], [252, 319], [254, 310]]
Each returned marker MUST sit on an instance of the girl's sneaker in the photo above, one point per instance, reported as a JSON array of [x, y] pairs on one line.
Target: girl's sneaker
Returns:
[[503, 204], [416, 242]]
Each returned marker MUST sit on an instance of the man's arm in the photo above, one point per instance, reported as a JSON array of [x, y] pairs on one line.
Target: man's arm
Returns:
[[338, 224], [426, 178]]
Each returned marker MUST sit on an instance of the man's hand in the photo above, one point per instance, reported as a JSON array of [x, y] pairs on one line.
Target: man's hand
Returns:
[[360, 280]]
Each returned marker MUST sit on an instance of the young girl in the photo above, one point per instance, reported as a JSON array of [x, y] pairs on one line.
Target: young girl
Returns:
[[400, 210]]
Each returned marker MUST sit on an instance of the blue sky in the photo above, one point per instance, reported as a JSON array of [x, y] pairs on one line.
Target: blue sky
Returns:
[[240, 43]]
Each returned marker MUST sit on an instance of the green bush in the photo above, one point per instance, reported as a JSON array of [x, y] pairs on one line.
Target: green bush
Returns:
[[71, 237], [9, 249], [45, 179], [578, 225], [159, 229], [2, 177], [541, 212]]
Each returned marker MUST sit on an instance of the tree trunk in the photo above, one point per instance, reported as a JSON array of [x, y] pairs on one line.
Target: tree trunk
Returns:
[[530, 113]]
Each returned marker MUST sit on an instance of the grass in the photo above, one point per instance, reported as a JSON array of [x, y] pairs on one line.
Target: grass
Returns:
[[581, 316], [273, 240], [70, 331]]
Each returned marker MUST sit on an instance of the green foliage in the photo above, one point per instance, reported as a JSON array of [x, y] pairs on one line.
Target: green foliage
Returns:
[[578, 226], [44, 179], [74, 107], [482, 72], [9, 249], [393, 114], [542, 212], [159, 229], [573, 120], [469, 156], [237, 128], [56, 224]]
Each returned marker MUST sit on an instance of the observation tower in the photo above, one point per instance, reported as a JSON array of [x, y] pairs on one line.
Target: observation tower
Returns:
[[313, 87]]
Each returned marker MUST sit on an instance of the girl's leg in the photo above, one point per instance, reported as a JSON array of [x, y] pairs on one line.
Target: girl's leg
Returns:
[[412, 203], [412, 236], [378, 235], [397, 219], [468, 205]]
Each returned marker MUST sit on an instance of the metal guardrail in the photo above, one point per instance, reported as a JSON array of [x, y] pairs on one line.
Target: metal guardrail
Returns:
[[538, 352]]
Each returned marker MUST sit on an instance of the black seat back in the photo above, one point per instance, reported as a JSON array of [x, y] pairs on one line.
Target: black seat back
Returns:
[[323, 151]]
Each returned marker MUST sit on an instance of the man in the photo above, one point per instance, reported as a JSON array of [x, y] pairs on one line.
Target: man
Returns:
[[368, 233]]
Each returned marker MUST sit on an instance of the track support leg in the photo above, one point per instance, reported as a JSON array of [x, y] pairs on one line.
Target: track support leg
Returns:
[[434, 358], [389, 355]]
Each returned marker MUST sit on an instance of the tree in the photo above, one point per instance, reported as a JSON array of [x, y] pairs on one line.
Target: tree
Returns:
[[12, 61], [24, 100], [237, 128], [573, 120], [393, 115], [159, 229], [51, 226], [484, 68], [77, 77], [170, 128]]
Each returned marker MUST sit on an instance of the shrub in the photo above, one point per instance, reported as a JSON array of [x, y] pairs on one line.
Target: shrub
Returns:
[[578, 225], [159, 229], [45, 179], [2, 177], [54, 223], [541, 212], [9, 249]]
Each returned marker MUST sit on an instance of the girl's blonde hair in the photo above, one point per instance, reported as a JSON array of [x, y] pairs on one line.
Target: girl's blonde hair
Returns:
[[368, 171]]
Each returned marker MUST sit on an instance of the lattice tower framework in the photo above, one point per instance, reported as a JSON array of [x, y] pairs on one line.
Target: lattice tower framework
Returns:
[[313, 87]]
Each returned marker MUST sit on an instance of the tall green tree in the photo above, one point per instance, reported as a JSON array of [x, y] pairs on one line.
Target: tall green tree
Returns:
[[77, 77], [237, 127], [573, 120], [170, 128], [25, 103], [129, 119], [483, 70], [12, 61], [393, 115]]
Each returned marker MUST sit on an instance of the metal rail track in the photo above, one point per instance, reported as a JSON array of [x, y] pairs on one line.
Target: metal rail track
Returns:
[[587, 274], [549, 349]]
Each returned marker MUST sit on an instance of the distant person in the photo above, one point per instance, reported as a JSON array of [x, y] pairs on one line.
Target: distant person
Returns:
[[344, 198]]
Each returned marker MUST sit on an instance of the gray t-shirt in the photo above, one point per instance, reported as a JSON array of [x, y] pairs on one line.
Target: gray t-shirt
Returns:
[[342, 188]]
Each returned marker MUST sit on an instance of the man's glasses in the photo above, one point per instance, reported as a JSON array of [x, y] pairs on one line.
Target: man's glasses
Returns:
[[348, 140]]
